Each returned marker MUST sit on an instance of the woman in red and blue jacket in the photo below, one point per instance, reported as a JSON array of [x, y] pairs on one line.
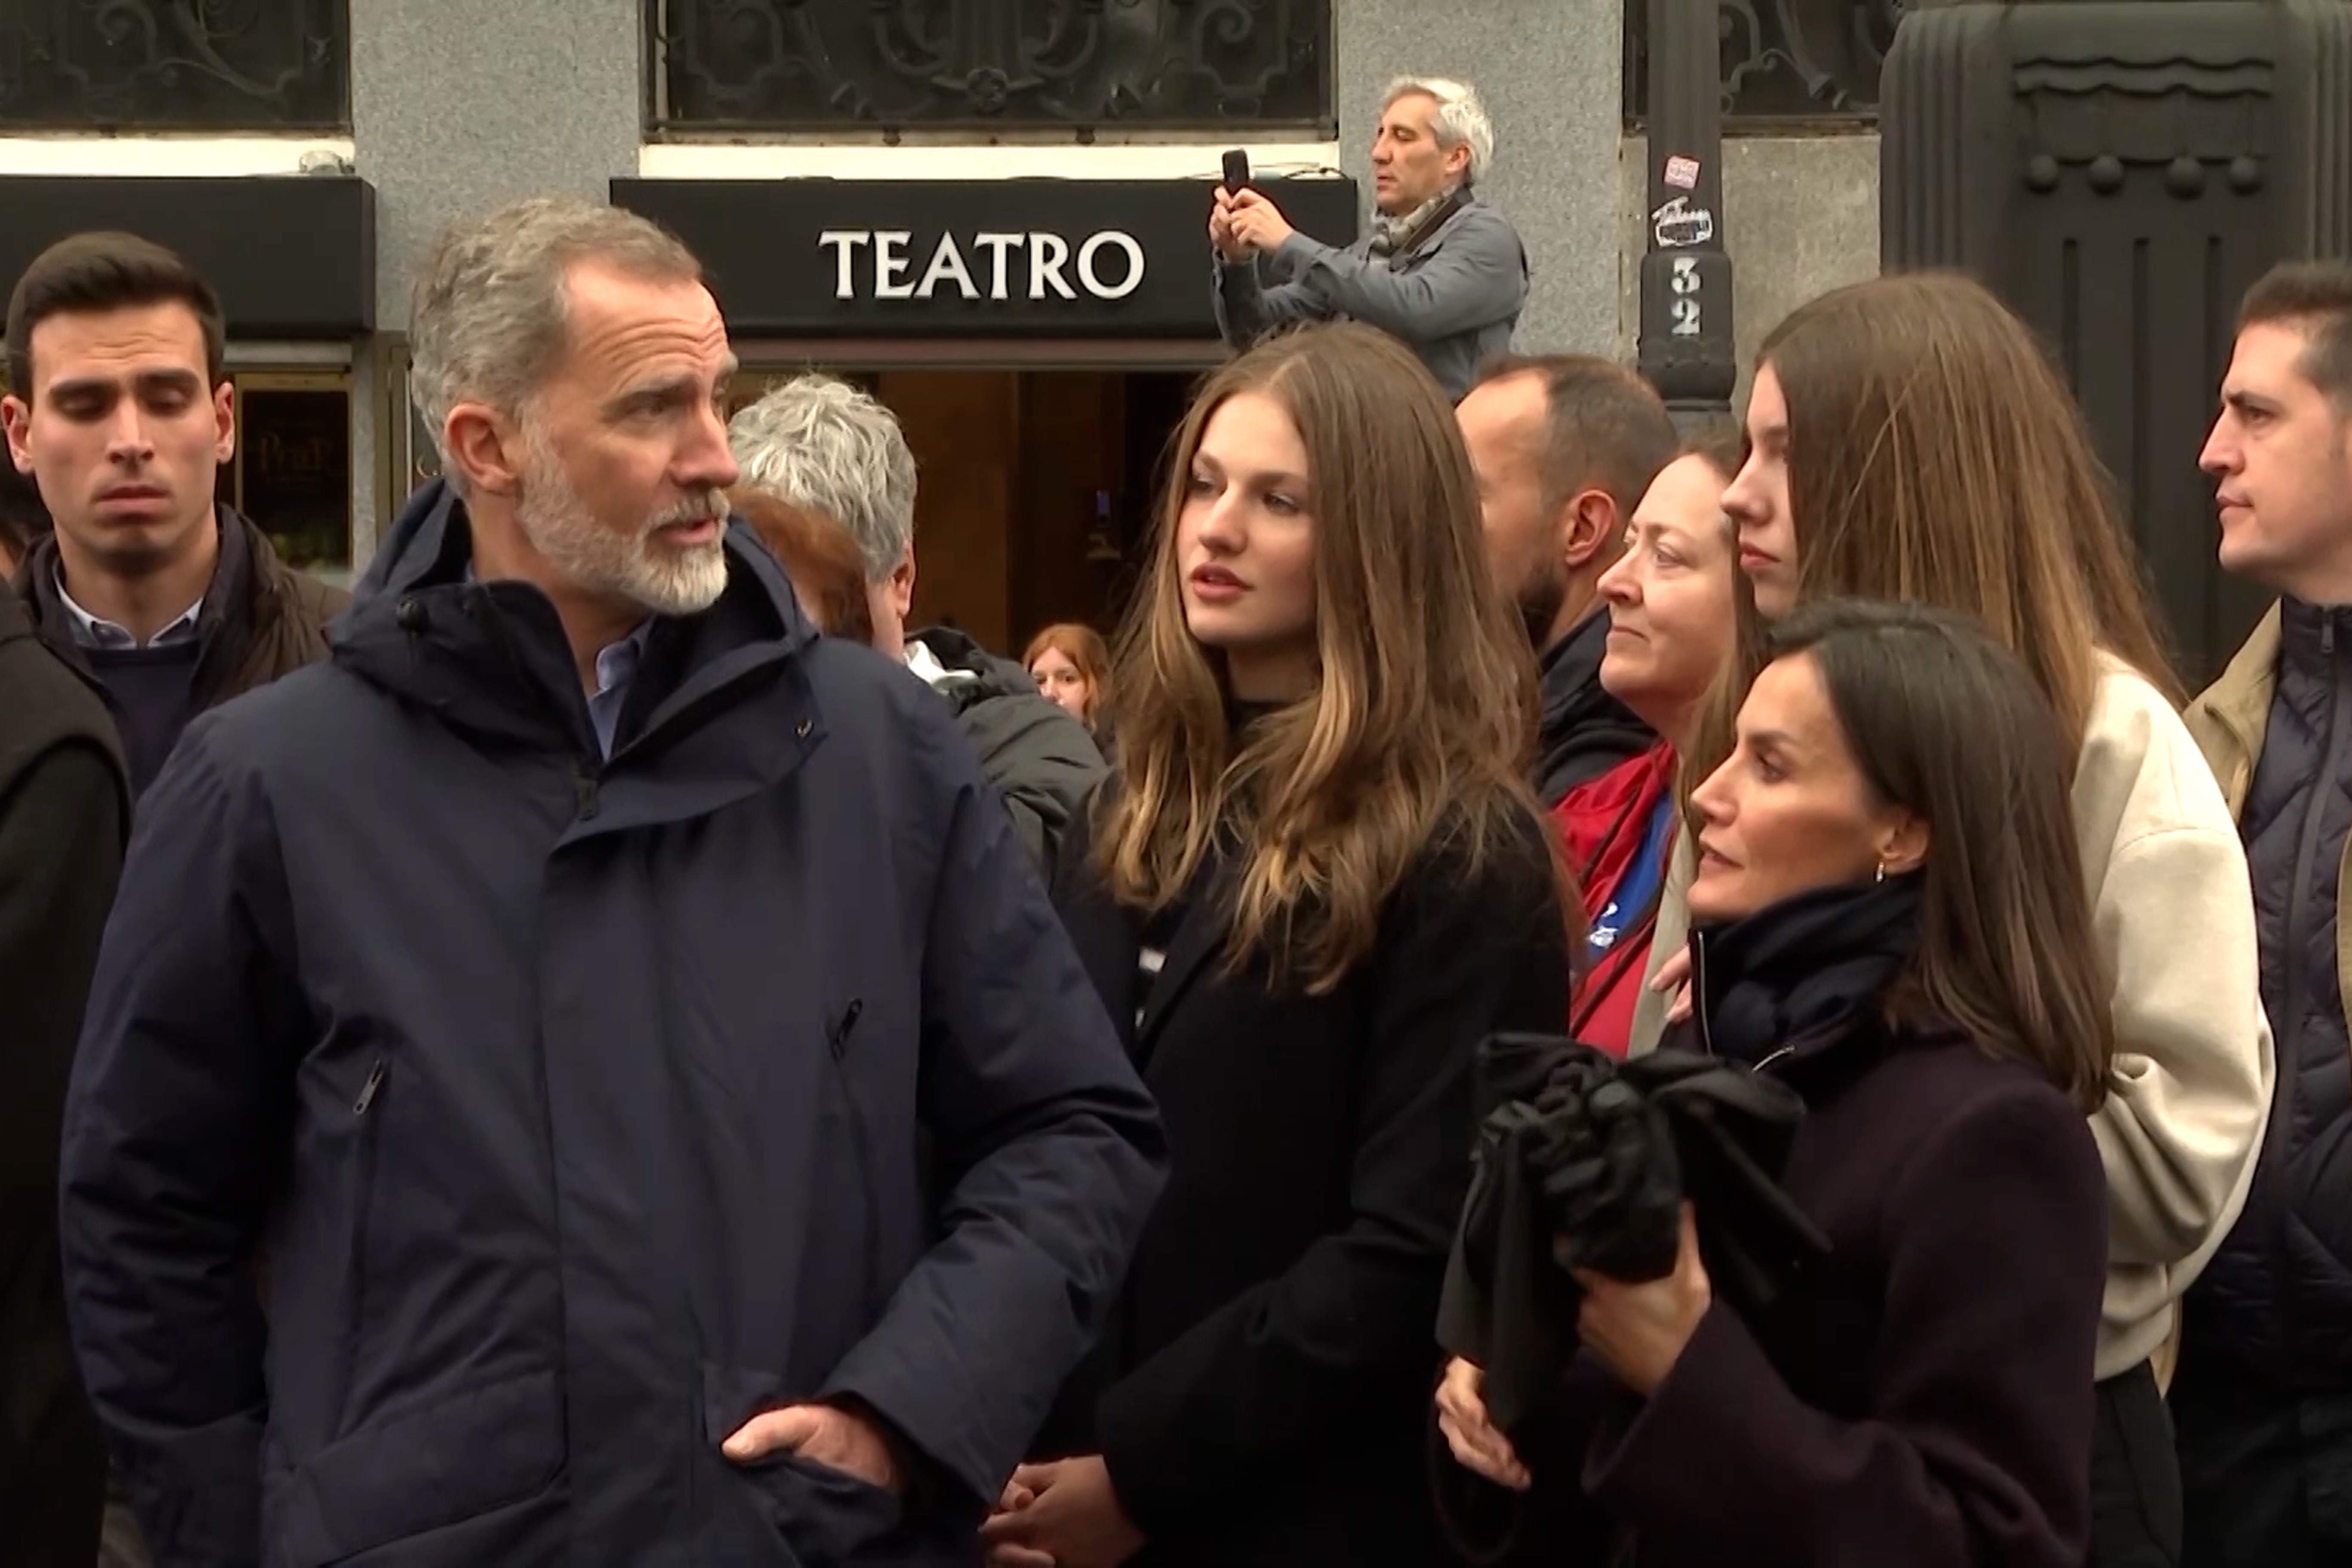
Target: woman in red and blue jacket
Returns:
[[1676, 599]]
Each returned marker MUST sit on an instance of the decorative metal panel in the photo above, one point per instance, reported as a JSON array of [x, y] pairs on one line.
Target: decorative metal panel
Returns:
[[229, 65], [1783, 60], [786, 65]]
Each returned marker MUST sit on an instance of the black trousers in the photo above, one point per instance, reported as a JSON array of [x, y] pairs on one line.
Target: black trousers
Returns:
[[2266, 1473], [2134, 1477]]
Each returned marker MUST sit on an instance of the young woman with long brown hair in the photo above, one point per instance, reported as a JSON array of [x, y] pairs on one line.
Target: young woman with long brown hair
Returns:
[[1909, 441], [1318, 879], [1891, 923]]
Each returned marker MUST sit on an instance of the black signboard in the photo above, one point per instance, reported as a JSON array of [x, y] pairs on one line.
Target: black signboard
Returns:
[[292, 256], [1069, 258]]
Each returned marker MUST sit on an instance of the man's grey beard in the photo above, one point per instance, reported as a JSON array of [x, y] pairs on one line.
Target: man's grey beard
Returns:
[[666, 580]]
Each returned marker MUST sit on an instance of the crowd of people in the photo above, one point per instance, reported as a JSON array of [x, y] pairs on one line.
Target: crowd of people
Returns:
[[605, 1044]]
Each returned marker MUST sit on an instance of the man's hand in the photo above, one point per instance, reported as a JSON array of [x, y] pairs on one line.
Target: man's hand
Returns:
[[1639, 1331], [1257, 223], [822, 1434], [1221, 239], [1065, 1515], [1477, 1445]]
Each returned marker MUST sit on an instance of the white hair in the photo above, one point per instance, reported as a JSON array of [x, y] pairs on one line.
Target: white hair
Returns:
[[488, 319], [826, 447], [1460, 118]]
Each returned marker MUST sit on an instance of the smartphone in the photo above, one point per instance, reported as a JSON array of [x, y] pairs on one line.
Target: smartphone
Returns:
[[1236, 172]]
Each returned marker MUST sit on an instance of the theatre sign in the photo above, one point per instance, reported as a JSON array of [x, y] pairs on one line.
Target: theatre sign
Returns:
[[967, 258]]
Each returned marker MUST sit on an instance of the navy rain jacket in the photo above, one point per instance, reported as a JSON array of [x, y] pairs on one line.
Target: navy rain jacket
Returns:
[[560, 1115]]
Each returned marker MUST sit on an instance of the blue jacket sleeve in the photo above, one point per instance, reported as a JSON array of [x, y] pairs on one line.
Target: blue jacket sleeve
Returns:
[[1475, 274], [1049, 1157], [175, 1118]]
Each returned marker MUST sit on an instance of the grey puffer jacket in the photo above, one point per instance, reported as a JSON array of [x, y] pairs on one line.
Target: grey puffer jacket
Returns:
[[1036, 756]]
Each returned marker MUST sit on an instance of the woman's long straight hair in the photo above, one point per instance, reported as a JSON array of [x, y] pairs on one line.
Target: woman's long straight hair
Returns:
[[1418, 733], [1718, 714], [1936, 457]]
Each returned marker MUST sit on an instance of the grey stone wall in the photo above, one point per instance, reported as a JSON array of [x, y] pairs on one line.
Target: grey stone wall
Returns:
[[460, 105], [1549, 71], [1800, 218]]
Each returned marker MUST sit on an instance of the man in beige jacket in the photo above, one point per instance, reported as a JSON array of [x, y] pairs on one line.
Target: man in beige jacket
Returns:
[[2264, 1398]]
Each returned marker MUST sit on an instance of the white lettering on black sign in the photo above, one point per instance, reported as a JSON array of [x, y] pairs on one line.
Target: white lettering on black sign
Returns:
[[887, 266]]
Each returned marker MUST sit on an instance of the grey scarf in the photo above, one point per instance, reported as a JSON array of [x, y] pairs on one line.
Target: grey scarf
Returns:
[[1401, 235]]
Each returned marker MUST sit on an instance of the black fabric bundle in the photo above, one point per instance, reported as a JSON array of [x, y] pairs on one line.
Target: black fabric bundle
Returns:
[[1584, 1161]]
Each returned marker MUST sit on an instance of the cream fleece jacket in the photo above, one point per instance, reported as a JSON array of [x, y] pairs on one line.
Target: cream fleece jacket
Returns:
[[2174, 912]]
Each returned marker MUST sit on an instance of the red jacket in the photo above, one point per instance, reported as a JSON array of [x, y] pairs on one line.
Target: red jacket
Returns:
[[1603, 825]]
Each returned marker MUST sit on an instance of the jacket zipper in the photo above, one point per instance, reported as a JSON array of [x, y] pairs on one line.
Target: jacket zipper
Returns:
[[362, 1196], [584, 790], [837, 1043], [2306, 856]]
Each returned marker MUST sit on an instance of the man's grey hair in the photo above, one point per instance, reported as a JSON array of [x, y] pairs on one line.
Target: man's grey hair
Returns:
[[825, 447], [488, 320], [1460, 118]]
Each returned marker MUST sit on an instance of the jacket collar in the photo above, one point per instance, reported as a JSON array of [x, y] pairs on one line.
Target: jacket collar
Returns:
[[490, 660], [2231, 720], [2315, 640], [1404, 235], [1792, 979], [241, 593], [990, 676]]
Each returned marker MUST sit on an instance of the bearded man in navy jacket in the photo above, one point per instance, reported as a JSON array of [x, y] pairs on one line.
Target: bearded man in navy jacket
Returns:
[[673, 1119]]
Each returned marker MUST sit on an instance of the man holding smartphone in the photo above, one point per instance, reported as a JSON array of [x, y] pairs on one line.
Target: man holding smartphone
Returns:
[[1441, 269]]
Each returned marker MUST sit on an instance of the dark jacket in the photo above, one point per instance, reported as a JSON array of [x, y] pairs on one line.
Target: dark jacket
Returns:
[[1258, 1395], [576, 1105], [261, 619], [1924, 1397], [1038, 757], [2274, 1306], [1585, 731], [65, 810]]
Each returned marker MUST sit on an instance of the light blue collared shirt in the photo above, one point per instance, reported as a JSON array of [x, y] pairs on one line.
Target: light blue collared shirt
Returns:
[[95, 631], [616, 667]]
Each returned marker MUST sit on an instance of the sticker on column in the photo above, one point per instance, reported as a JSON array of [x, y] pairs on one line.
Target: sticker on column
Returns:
[[1682, 173], [1678, 223]]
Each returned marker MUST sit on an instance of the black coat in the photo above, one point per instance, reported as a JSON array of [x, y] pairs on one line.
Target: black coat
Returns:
[[1259, 1395], [1585, 731], [1922, 1397], [582, 1109], [64, 812]]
